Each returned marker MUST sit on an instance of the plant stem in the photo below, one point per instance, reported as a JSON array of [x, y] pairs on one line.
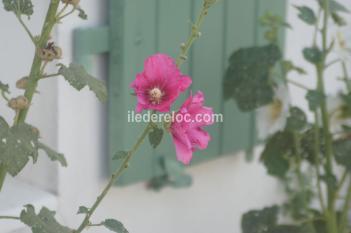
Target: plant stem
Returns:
[[346, 76], [26, 29], [9, 218], [344, 215], [195, 34], [114, 177]]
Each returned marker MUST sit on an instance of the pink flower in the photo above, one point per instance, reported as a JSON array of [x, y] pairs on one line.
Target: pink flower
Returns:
[[186, 129], [160, 84]]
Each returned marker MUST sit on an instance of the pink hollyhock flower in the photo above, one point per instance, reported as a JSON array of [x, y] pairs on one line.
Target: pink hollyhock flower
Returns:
[[186, 128], [160, 84]]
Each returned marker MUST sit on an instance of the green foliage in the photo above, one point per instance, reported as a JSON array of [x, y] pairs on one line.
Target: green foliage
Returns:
[[247, 79], [260, 221], [313, 55], [172, 175], [276, 153], [334, 6], [19, 7], [82, 14], [17, 145], [307, 15], [77, 76], [4, 87], [83, 210], [297, 119], [289, 66], [155, 137], [115, 226], [342, 151], [53, 155], [44, 222], [314, 99]]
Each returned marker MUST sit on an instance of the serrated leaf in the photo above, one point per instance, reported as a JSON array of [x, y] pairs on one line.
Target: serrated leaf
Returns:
[[314, 99], [276, 152], [297, 119], [82, 14], [313, 55], [260, 221], [307, 15], [53, 155], [19, 7], [115, 226], [342, 152], [155, 137], [247, 79], [17, 145], [77, 76], [83, 210], [120, 155], [44, 222]]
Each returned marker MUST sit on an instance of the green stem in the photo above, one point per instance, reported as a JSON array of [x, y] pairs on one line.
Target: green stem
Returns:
[[346, 76], [34, 75], [2, 176], [9, 218], [344, 215], [114, 178], [26, 29]]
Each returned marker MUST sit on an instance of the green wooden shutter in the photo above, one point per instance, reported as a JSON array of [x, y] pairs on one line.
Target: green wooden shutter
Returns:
[[139, 28]]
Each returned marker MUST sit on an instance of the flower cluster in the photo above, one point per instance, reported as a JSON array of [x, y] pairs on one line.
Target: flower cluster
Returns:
[[157, 87]]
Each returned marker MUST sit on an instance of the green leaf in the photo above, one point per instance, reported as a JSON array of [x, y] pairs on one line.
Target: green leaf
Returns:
[[307, 144], [334, 6], [82, 14], [247, 79], [115, 226], [260, 221], [17, 144], [120, 155], [289, 66], [307, 15], [297, 119], [314, 99], [340, 21], [275, 154], [313, 55], [4, 87], [342, 151], [77, 76], [155, 137], [44, 222], [53, 155], [83, 210], [19, 7]]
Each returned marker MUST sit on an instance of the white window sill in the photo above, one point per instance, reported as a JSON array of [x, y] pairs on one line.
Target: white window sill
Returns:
[[15, 195]]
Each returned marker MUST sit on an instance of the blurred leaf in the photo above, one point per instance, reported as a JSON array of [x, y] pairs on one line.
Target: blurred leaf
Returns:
[[340, 21], [330, 180], [313, 55], [260, 221], [120, 155], [83, 210], [247, 79], [307, 15], [17, 144], [53, 155], [4, 87], [314, 99], [342, 152], [44, 222], [297, 119], [115, 226], [275, 153], [289, 66], [308, 142], [77, 76], [155, 137], [19, 7], [82, 14], [334, 6]]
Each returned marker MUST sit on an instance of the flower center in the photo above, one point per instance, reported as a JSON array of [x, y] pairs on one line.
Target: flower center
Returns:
[[155, 95]]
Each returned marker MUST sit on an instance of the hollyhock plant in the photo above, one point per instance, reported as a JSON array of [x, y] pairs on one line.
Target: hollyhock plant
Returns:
[[187, 129], [160, 84]]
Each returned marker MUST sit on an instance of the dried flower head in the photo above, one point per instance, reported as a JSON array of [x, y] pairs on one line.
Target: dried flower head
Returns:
[[19, 103], [22, 83], [71, 2]]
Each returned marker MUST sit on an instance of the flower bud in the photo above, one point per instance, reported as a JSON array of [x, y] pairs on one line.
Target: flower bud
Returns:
[[50, 53], [71, 2], [36, 131], [19, 103], [22, 83]]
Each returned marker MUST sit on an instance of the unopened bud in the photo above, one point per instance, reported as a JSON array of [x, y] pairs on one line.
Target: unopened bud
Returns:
[[19, 103], [71, 2], [36, 131], [22, 83]]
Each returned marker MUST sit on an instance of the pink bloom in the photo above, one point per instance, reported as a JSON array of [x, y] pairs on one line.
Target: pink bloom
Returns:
[[186, 129], [160, 84]]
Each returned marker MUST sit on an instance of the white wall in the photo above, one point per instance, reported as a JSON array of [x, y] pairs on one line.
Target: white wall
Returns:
[[222, 190]]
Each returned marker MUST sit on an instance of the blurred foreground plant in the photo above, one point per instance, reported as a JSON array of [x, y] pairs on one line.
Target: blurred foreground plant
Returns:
[[156, 88], [306, 155]]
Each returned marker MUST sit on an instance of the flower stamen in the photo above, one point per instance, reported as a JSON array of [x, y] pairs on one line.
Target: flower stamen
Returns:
[[155, 95]]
